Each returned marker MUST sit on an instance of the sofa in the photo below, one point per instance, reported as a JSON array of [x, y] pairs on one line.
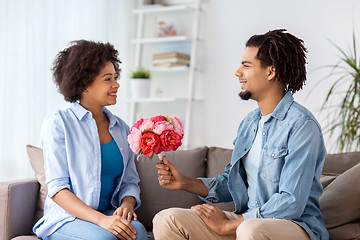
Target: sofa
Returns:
[[21, 202]]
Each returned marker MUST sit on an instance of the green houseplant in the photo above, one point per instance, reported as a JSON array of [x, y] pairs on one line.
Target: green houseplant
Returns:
[[141, 72], [344, 118], [140, 83]]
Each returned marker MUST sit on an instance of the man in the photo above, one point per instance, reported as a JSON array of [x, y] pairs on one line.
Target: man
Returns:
[[274, 174]]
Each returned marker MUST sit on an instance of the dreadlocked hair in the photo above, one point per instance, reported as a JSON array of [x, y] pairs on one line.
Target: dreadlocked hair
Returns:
[[286, 53]]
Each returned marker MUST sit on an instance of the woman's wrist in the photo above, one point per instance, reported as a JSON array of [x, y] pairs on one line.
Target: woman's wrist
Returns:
[[128, 201], [98, 217]]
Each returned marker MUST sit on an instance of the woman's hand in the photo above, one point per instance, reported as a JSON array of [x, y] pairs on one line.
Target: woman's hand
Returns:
[[118, 226], [126, 211]]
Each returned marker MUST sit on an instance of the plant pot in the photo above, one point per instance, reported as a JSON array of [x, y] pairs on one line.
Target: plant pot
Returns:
[[140, 87]]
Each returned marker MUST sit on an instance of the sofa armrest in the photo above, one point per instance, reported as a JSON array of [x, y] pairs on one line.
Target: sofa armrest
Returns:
[[17, 207]]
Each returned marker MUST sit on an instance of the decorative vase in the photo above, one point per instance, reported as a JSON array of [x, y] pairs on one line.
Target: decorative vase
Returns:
[[140, 87]]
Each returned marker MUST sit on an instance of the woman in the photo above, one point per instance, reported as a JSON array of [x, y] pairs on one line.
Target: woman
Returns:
[[90, 171]]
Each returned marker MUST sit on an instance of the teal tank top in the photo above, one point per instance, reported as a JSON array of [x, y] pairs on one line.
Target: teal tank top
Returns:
[[112, 167]]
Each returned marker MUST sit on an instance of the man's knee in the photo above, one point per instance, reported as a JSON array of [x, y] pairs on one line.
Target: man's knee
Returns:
[[249, 229], [166, 215]]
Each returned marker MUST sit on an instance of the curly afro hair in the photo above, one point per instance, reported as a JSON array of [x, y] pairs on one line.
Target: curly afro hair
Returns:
[[286, 53], [76, 67]]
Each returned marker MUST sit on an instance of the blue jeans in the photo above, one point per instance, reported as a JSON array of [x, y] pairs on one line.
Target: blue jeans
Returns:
[[83, 230]]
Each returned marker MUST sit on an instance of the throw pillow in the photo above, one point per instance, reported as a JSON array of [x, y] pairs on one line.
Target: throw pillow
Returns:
[[326, 179], [37, 162], [155, 198], [343, 191]]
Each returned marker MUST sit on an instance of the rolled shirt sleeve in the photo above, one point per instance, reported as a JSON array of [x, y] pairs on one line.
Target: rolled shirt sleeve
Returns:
[[56, 167]]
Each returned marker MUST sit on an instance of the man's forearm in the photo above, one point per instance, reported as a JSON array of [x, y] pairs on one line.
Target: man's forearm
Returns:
[[195, 186]]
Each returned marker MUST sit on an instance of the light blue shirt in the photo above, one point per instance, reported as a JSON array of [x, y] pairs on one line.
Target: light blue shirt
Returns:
[[251, 162], [288, 181], [72, 159]]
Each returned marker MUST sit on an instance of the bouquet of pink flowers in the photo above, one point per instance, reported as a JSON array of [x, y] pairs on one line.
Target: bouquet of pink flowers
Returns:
[[155, 135]]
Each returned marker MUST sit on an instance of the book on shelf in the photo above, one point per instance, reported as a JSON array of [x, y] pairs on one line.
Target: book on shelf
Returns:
[[171, 60], [169, 65], [171, 55]]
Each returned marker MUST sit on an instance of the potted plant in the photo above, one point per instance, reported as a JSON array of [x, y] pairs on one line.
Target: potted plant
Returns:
[[344, 118], [140, 83]]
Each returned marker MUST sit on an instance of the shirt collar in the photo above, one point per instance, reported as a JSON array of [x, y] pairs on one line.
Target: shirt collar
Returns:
[[280, 110], [81, 112], [113, 120], [283, 106]]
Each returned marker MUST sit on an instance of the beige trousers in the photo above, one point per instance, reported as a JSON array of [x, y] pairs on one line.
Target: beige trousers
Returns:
[[180, 224]]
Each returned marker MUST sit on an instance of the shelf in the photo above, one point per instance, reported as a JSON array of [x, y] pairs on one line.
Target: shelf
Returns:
[[158, 100], [164, 9], [170, 69], [162, 39]]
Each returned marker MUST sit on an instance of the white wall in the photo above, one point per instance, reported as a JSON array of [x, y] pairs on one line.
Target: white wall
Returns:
[[227, 26]]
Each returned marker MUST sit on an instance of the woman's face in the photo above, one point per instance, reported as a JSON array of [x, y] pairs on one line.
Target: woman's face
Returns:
[[103, 90]]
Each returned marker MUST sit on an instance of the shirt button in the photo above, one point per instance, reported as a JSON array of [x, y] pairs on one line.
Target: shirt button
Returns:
[[264, 133], [256, 202], [273, 154], [245, 149]]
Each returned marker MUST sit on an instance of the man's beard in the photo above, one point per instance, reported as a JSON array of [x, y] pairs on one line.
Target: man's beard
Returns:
[[245, 95]]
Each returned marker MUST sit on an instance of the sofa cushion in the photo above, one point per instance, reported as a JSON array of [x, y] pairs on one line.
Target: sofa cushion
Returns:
[[217, 159], [25, 238], [345, 232], [343, 191], [37, 162], [326, 179], [340, 162], [154, 198]]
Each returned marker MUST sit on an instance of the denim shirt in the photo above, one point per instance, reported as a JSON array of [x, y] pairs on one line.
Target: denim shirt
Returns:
[[72, 159], [292, 159]]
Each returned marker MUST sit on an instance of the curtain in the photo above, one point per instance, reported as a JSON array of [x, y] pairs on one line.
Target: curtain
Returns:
[[32, 32]]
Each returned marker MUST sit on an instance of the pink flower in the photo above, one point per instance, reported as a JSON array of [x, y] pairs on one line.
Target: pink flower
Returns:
[[159, 118], [146, 125], [155, 135], [137, 125], [150, 143], [170, 140], [134, 139], [178, 126], [161, 126]]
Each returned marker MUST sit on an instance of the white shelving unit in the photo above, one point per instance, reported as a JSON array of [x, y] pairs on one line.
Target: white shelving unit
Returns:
[[192, 8]]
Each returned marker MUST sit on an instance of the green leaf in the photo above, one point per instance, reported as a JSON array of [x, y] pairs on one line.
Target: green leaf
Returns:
[[345, 117], [168, 119]]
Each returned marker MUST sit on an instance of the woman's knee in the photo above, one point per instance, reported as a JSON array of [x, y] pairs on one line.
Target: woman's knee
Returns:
[[141, 233]]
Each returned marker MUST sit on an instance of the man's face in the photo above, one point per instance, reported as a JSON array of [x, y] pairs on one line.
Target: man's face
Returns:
[[252, 77]]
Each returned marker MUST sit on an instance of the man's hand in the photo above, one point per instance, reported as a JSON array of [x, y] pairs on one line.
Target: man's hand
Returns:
[[169, 177], [216, 219]]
